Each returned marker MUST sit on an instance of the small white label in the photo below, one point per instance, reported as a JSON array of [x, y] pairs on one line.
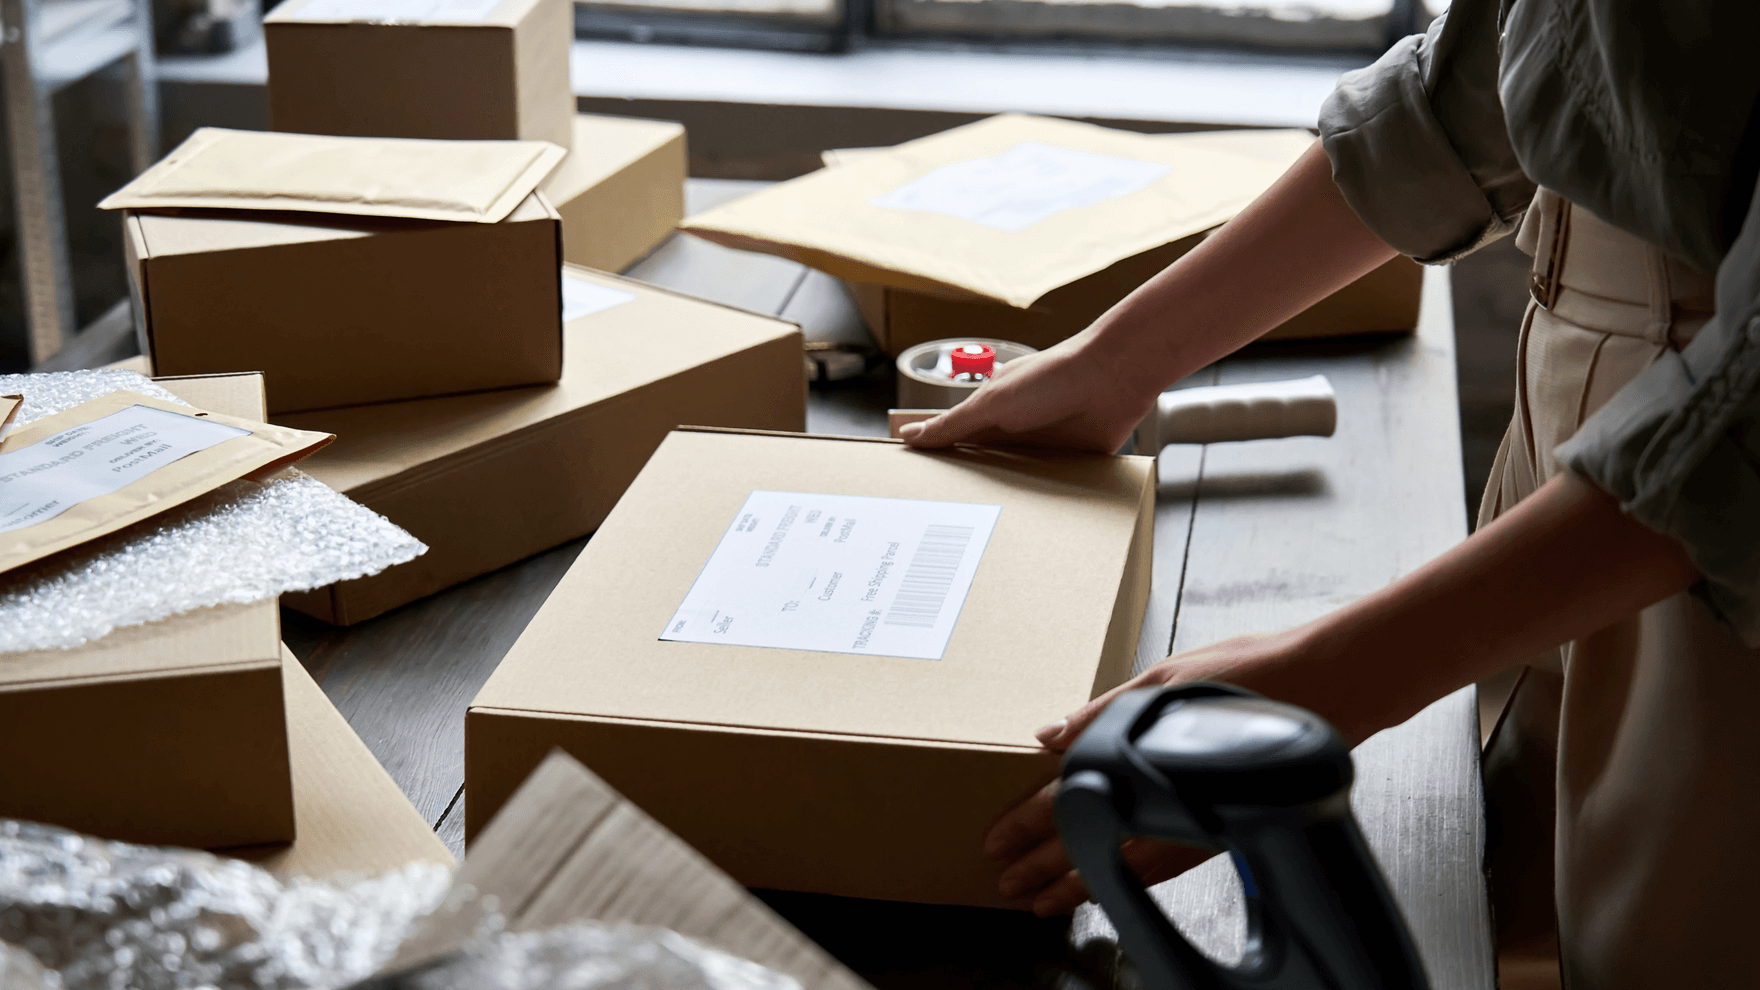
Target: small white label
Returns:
[[45, 479], [838, 574], [1023, 185], [582, 298], [397, 11]]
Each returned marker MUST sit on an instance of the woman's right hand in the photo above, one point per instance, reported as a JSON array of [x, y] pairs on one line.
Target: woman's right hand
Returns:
[[1077, 395]]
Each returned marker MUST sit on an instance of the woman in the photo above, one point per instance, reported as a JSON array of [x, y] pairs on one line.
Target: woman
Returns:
[[1619, 551]]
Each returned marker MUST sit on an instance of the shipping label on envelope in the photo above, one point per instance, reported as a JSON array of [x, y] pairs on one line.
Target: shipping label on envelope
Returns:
[[122, 458]]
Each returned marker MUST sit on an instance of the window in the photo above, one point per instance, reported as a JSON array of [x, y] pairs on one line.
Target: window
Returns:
[[1279, 25]]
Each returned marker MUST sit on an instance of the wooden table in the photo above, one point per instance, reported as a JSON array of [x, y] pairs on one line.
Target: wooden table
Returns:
[[1249, 537]]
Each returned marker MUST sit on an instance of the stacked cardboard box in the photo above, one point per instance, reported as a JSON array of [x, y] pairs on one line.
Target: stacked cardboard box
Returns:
[[620, 191], [479, 69], [467, 70], [776, 758], [489, 478], [440, 277], [1028, 228]]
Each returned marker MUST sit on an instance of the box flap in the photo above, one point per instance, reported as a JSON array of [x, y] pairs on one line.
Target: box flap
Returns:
[[920, 216], [567, 848], [467, 181], [469, 13], [643, 334], [1024, 652]]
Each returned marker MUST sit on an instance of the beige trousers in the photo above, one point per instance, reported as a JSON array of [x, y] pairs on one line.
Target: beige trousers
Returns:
[[1651, 727]]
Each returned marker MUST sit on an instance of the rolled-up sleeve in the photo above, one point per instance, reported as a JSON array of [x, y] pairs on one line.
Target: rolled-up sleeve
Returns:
[[1679, 446], [1418, 142]]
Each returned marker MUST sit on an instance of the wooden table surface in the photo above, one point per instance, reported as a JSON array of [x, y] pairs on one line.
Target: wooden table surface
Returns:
[[1249, 537]]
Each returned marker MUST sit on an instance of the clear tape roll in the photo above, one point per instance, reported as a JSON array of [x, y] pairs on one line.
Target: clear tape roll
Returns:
[[925, 372]]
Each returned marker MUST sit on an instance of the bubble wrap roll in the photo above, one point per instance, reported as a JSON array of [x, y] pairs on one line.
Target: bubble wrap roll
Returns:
[[243, 542]]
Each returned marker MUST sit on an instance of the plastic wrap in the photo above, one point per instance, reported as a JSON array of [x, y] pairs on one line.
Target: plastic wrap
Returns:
[[112, 916], [243, 542], [86, 914]]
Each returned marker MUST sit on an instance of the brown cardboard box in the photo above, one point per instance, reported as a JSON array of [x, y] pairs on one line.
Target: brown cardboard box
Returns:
[[922, 274], [345, 310], [1383, 301], [169, 733], [620, 191], [831, 772], [489, 478], [566, 848], [472, 70], [351, 817]]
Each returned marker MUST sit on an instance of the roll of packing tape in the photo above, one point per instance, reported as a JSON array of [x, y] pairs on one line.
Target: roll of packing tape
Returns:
[[925, 372]]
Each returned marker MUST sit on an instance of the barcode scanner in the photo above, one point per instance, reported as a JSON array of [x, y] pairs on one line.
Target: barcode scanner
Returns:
[[1216, 767]]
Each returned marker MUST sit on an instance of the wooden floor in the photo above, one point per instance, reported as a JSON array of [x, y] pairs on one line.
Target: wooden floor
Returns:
[[1249, 537]]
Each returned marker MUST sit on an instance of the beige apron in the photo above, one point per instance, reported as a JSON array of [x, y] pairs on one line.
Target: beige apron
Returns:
[[1653, 724]]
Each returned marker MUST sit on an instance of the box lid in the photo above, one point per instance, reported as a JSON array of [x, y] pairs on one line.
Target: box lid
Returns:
[[206, 639], [1025, 650], [468, 13], [625, 334], [466, 181], [921, 216]]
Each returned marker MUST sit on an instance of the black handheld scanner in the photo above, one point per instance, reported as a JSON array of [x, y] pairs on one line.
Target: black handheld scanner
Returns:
[[1216, 767]]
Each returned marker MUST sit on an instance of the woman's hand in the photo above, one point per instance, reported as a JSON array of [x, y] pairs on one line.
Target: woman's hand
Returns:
[[1564, 563], [1071, 396], [1025, 841]]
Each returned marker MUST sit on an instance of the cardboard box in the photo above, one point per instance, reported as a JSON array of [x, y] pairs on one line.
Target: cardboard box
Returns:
[[1383, 301], [475, 70], [778, 763], [344, 310], [169, 733], [620, 191], [489, 478], [1132, 204], [351, 817], [566, 847]]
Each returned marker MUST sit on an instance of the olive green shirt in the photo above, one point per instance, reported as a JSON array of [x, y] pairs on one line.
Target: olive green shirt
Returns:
[[1640, 111]]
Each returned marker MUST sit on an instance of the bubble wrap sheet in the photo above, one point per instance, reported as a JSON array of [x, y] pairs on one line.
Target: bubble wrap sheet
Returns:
[[243, 542], [83, 914]]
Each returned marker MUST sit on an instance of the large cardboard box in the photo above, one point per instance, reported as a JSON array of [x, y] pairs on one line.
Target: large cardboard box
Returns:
[[476, 69], [620, 191], [566, 848], [489, 478], [833, 771], [336, 307], [169, 733], [1028, 228]]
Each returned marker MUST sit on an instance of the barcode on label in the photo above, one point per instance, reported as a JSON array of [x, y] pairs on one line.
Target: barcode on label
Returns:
[[929, 577]]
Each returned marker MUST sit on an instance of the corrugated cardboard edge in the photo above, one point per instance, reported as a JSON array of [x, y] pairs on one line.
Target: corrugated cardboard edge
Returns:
[[520, 185], [563, 821]]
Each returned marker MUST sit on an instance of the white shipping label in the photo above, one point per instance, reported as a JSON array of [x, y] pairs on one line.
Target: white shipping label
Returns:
[[838, 574], [1023, 185], [397, 11], [582, 298], [47, 478]]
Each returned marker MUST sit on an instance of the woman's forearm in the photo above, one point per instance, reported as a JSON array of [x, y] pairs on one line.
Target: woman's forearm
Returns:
[[1296, 244], [1562, 564]]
